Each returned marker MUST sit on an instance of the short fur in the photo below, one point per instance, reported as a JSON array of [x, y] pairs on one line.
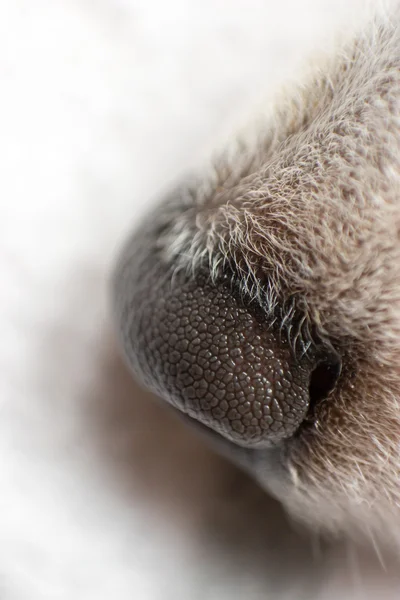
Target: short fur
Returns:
[[310, 217]]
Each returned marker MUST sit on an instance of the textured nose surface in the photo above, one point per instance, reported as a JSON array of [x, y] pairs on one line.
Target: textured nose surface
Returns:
[[214, 360], [208, 354]]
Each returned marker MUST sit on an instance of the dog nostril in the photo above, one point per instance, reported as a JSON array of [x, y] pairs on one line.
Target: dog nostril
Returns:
[[324, 378], [211, 355], [214, 357]]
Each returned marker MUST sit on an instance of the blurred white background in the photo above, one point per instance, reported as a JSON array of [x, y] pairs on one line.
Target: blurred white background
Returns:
[[103, 495]]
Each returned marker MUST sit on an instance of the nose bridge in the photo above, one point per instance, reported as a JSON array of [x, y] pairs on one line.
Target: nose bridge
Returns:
[[196, 344]]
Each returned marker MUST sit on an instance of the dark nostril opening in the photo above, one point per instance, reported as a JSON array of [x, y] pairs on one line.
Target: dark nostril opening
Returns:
[[324, 378]]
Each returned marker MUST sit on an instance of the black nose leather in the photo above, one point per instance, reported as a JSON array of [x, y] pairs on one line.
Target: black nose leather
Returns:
[[211, 355]]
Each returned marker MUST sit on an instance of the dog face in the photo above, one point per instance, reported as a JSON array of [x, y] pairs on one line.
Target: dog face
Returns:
[[262, 301]]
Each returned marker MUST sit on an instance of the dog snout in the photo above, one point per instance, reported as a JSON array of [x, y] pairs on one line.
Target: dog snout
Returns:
[[214, 355]]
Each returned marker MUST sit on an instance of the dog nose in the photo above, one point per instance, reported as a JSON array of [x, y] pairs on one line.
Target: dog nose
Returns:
[[210, 354]]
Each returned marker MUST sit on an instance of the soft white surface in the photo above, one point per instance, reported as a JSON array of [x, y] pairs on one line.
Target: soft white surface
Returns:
[[102, 493]]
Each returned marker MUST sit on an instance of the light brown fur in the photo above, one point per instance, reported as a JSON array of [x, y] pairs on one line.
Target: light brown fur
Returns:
[[312, 211]]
